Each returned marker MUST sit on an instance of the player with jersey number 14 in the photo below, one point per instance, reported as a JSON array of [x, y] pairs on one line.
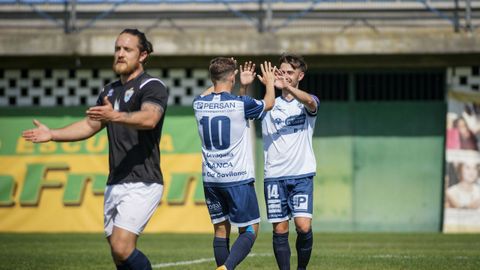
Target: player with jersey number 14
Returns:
[[290, 164], [228, 168]]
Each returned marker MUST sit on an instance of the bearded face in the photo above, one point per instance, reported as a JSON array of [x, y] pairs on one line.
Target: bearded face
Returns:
[[127, 59], [124, 67]]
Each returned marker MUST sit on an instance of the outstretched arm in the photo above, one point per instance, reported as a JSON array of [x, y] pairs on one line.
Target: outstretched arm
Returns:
[[268, 79], [300, 95], [146, 118], [77, 131]]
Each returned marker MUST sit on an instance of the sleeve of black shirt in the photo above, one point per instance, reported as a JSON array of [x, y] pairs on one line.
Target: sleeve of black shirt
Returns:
[[155, 92], [100, 96]]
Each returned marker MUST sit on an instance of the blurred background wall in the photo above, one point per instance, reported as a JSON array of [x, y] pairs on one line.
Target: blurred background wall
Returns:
[[382, 70]]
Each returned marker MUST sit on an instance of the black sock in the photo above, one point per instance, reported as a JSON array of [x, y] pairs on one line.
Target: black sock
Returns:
[[240, 249], [123, 266], [138, 261], [221, 250], [281, 249], [304, 248]]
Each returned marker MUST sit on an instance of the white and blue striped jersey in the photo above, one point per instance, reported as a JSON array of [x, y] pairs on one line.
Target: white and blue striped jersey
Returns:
[[224, 130], [287, 132]]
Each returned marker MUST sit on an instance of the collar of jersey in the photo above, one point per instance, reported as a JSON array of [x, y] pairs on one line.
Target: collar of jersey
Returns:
[[132, 80], [287, 101]]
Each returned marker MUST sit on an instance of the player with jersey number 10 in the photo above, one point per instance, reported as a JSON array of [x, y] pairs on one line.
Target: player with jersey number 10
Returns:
[[228, 169]]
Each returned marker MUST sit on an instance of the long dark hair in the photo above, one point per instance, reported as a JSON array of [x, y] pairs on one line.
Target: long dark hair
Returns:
[[143, 44]]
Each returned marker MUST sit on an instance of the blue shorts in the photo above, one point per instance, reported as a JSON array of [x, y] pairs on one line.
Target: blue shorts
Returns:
[[289, 198], [238, 204]]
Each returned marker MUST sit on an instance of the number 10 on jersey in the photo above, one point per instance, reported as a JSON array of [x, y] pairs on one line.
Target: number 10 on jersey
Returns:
[[216, 132]]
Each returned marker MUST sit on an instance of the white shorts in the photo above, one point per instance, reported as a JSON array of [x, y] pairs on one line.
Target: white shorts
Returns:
[[130, 206]]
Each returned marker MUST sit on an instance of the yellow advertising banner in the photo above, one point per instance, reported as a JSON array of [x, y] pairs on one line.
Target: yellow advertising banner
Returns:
[[58, 187]]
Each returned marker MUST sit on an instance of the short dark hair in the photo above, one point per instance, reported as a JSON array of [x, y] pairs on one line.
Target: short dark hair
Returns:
[[143, 44], [221, 67], [295, 60]]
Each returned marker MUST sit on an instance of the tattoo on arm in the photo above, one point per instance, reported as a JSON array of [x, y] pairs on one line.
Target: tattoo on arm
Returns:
[[153, 107]]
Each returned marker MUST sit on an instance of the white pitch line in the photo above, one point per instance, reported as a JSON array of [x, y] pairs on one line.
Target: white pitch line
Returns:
[[197, 261], [162, 265]]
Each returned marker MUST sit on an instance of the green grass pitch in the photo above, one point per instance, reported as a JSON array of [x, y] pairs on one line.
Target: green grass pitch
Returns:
[[193, 251]]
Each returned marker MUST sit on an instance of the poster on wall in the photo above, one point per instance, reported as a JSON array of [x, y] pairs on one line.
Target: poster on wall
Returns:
[[462, 167]]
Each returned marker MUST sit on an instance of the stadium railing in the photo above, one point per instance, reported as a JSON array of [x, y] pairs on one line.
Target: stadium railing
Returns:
[[220, 1], [461, 14]]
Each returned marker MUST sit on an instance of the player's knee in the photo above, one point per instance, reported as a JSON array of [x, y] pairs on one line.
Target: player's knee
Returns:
[[222, 229], [281, 227], [121, 250], [303, 228], [303, 225], [253, 229]]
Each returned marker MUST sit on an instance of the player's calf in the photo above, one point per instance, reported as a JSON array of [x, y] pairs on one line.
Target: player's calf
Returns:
[[281, 249], [304, 245], [242, 246]]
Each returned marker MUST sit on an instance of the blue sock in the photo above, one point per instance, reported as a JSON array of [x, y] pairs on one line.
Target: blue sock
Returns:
[[304, 248], [281, 249], [240, 249], [138, 261], [221, 250]]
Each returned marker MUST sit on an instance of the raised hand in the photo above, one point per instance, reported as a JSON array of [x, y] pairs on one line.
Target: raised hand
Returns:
[[268, 73], [102, 113], [247, 73], [281, 81], [268, 79], [39, 134]]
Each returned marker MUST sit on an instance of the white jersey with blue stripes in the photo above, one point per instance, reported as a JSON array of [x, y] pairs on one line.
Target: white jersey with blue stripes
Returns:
[[224, 130], [287, 132]]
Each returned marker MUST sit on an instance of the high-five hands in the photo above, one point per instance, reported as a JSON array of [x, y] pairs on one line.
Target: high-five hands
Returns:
[[268, 73], [247, 73], [281, 80]]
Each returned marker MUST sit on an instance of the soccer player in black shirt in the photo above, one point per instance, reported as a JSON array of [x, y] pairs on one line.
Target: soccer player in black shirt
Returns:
[[132, 109]]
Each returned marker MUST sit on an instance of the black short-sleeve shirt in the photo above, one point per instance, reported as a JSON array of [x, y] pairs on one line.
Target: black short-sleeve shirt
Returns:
[[134, 155]]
